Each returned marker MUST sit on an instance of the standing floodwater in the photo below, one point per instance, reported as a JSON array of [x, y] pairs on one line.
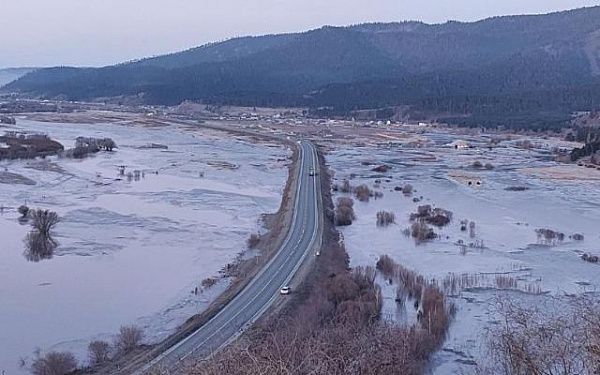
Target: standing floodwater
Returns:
[[139, 229]]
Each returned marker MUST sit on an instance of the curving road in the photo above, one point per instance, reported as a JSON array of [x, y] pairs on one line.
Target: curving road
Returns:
[[253, 300]]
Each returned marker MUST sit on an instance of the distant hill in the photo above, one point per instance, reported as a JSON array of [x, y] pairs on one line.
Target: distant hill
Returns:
[[521, 71], [10, 74]]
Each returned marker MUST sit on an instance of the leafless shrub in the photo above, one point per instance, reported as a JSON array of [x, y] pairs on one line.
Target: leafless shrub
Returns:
[[54, 363], [545, 340], [477, 164], [385, 218], [363, 193], [253, 240], [43, 221], [346, 187], [98, 352], [422, 232], [39, 247], [434, 216], [208, 282], [129, 338], [382, 168], [549, 236], [407, 189], [386, 265], [344, 212], [472, 229], [489, 166]]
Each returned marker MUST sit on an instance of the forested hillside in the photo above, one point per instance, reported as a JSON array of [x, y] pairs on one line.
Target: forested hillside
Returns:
[[521, 71]]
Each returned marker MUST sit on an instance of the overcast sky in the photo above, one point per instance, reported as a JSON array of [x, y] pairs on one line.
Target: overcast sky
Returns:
[[101, 32]]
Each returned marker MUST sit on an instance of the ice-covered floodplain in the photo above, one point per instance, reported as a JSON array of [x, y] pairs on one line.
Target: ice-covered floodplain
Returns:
[[505, 242], [131, 249]]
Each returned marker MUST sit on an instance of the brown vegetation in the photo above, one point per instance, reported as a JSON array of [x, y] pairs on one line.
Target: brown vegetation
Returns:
[[385, 218], [330, 326], [208, 282], [21, 146], [253, 241], [98, 352], [549, 236], [344, 212], [422, 232], [54, 363], [39, 243], [434, 216], [382, 168], [129, 338], [545, 339]]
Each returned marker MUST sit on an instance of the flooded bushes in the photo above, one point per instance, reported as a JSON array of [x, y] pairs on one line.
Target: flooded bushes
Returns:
[[85, 146], [363, 193], [549, 237], [407, 189], [590, 258], [54, 363], [39, 243], [385, 218], [434, 216], [344, 211], [422, 232]]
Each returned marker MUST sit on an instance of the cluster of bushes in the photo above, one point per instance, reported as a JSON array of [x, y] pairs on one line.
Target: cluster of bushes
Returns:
[[21, 146], [85, 146], [362, 192], [434, 311], [422, 232], [335, 329], [344, 211], [127, 340], [434, 216], [549, 236], [590, 258], [385, 218]]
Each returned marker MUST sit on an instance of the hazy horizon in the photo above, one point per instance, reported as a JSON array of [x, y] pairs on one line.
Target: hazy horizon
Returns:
[[37, 33]]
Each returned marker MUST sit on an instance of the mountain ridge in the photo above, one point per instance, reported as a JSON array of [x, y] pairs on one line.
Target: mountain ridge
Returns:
[[496, 60]]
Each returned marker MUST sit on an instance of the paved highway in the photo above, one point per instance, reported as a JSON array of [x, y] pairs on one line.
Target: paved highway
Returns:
[[253, 300]]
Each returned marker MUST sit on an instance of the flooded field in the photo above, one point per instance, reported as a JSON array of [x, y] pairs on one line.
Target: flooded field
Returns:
[[507, 203], [132, 245]]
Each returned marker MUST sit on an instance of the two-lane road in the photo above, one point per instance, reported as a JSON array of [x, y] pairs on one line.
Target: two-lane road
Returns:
[[257, 296]]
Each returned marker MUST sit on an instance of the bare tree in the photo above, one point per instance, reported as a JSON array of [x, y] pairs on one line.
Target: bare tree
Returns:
[[54, 363], [44, 220], [129, 338], [98, 352]]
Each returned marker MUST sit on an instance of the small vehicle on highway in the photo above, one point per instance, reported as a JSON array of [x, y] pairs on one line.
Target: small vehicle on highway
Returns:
[[311, 172], [285, 290]]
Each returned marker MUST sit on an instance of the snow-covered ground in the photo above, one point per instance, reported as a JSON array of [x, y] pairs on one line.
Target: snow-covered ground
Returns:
[[505, 222], [131, 250]]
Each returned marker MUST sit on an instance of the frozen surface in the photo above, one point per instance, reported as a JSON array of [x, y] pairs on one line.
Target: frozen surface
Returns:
[[131, 251], [505, 222]]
